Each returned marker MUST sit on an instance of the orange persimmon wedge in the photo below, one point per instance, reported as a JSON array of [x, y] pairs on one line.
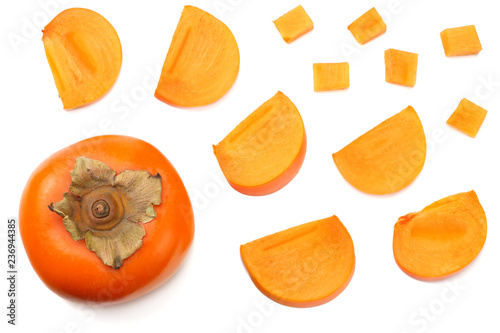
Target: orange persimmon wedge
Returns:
[[303, 266], [202, 62], [387, 158], [266, 150], [442, 239], [84, 54]]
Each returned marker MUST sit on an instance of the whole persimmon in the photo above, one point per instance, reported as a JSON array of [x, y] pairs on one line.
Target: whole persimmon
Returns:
[[106, 219]]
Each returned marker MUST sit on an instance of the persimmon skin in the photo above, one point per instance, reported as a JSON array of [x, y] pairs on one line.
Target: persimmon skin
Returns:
[[68, 267]]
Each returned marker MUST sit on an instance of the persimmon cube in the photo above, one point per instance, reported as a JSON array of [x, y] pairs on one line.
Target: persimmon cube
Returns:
[[331, 76], [84, 54], [467, 118], [461, 41], [368, 26], [294, 24], [401, 67]]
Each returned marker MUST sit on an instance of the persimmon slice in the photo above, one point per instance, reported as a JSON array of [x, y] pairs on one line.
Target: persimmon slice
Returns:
[[266, 150], [441, 239], [303, 266], [202, 62], [387, 158], [84, 54]]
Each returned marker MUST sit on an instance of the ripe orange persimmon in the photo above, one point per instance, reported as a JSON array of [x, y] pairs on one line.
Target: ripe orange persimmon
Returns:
[[110, 187]]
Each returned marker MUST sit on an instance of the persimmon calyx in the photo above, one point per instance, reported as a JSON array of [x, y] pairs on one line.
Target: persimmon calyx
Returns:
[[106, 209]]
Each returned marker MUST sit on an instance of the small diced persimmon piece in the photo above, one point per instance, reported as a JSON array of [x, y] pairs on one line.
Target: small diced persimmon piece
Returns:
[[442, 239], [202, 62], [461, 41], [294, 24], [303, 266], [266, 150], [84, 54], [331, 76], [368, 26], [467, 118], [387, 158], [401, 67]]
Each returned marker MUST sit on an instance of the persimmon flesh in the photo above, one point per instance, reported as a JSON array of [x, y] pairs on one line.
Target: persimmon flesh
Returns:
[[202, 62], [387, 158], [467, 118], [442, 239], [303, 266], [84, 54], [331, 76], [401, 67], [461, 41], [294, 24], [266, 150], [368, 26]]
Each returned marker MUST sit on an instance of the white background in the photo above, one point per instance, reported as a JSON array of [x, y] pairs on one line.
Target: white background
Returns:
[[212, 292]]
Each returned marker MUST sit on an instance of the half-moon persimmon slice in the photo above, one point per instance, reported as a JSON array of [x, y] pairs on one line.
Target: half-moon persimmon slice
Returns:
[[266, 150], [441, 239], [84, 54], [387, 158], [303, 266]]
